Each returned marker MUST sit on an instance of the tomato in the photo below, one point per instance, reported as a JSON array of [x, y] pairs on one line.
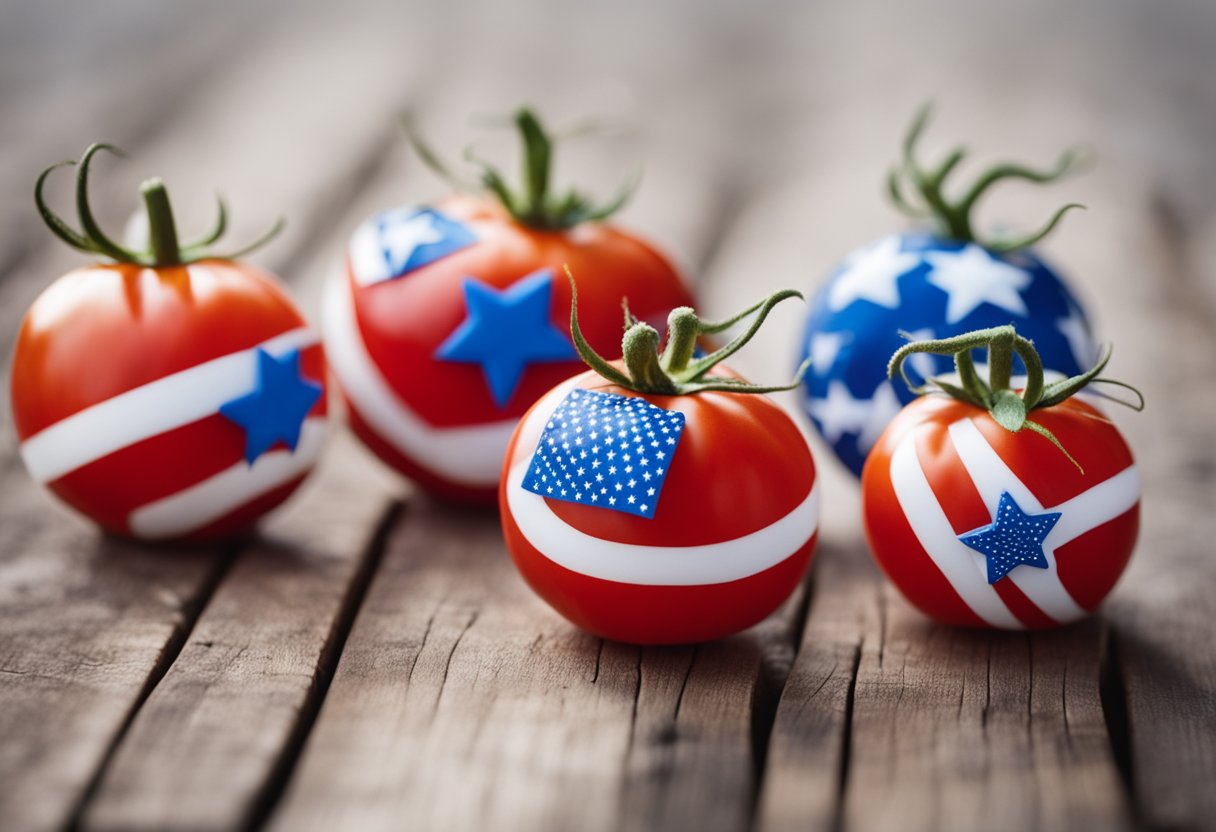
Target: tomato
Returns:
[[449, 321], [982, 526], [659, 517], [170, 395], [935, 284]]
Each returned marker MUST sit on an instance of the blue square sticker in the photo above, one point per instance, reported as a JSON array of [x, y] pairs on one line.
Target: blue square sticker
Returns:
[[607, 451]]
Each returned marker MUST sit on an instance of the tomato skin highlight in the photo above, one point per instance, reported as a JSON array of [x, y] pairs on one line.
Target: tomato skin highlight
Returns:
[[402, 322], [922, 444], [741, 466], [106, 330]]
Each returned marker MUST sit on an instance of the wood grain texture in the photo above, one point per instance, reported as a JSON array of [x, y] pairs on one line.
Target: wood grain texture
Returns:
[[206, 748], [1164, 659], [461, 701], [89, 623]]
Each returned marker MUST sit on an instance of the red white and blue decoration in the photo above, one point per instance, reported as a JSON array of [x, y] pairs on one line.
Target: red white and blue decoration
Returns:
[[394, 243], [990, 538], [202, 449], [507, 331], [1013, 538], [727, 542], [606, 450], [926, 287]]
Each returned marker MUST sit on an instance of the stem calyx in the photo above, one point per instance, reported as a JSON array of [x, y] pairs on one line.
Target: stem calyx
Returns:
[[953, 218], [675, 370], [1008, 408], [164, 249], [533, 204]]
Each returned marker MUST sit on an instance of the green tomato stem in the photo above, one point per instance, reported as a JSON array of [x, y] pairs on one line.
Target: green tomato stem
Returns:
[[1007, 407], [953, 218], [674, 372], [162, 231], [164, 247]]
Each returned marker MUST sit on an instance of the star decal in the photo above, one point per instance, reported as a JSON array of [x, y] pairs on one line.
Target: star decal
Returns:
[[824, 347], [872, 274], [839, 414], [507, 330], [397, 242], [276, 408], [1076, 332], [971, 276], [1014, 538]]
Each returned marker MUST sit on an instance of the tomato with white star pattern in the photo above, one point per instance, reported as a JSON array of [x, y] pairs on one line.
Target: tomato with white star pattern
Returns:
[[929, 285], [449, 321], [171, 393], [990, 508]]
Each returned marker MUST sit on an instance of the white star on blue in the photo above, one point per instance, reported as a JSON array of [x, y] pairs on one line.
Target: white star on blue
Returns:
[[275, 409], [411, 239], [506, 331], [924, 284], [606, 450], [1014, 538]]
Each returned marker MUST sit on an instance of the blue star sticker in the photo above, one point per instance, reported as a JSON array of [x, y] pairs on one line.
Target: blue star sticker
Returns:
[[506, 331], [1014, 538], [275, 409]]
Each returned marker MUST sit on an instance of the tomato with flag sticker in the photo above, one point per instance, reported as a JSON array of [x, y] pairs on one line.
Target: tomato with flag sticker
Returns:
[[449, 320], [172, 392], [992, 508], [660, 500]]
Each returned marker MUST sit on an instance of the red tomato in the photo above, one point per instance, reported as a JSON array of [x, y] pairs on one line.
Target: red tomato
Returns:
[[727, 542], [450, 321], [982, 527], [167, 401]]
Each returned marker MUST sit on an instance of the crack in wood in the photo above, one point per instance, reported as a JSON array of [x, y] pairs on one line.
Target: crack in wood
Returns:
[[343, 623], [846, 746], [1113, 696], [189, 614]]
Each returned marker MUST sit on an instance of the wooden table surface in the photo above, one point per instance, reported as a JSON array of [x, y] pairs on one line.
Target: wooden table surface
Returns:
[[371, 660]]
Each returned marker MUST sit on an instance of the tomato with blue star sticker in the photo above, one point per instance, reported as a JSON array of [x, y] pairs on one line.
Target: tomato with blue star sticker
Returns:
[[931, 284], [168, 392], [995, 507], [450, 320]]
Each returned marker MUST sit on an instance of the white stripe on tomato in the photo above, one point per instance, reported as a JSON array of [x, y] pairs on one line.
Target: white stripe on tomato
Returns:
[[1088, 510], [957, 562], [150, 410], [710, 563], [469, 454], [205, 502]]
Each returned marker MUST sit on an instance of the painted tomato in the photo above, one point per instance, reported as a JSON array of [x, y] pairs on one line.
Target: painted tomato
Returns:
[[169, 395], [659, 518], [981, 526], [449, 321], [929, 285]]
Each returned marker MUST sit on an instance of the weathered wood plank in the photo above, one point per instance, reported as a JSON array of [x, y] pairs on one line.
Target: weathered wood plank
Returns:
[[804, 769], [1164, 660], [89, 623], [206, 748], [461, 700]]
